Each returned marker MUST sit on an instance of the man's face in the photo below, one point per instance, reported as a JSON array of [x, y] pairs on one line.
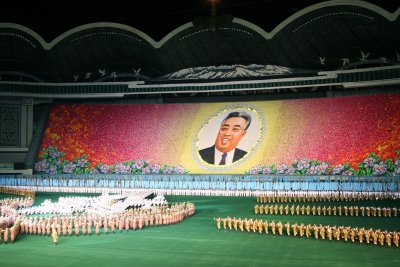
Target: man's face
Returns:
[[230, 134]]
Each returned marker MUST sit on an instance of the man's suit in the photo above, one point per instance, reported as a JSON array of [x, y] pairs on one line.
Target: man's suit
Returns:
[[208, 154]]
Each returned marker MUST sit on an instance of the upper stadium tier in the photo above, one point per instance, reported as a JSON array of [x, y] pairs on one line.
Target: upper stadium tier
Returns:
[[327, 36]]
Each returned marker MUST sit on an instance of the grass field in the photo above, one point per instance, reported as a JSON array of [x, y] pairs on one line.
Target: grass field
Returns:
[[197, 242]]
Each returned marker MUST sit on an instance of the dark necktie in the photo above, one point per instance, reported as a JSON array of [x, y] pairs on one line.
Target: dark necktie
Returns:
[[222, 162]]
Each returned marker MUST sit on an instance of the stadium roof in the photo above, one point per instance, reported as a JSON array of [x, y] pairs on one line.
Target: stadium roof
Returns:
[[326, 36]]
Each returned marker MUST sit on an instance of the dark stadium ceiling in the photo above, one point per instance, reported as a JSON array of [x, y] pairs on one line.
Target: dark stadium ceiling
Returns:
[[60, 42], [156, 18]]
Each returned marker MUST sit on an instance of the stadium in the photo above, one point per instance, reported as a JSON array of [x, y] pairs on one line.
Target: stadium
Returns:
[[217, 139]]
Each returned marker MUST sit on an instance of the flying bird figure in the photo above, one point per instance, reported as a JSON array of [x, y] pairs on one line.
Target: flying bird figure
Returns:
[[364, 56]]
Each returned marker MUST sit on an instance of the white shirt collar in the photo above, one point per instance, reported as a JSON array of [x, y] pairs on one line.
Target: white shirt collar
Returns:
[[218, 157]]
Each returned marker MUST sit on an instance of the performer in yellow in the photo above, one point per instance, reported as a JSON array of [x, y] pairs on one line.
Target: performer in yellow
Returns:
[[218, 220], [241, 222], [292, 210], [235, 223], [356, 211], [256, 209], [295, 228], [287, 226], [272, 224], [316, 231], [345, 233], [301, 227], [308, 230], [254, 225], [247, 224], [353, 233], [266, 227], [396, 238], [322, 232], [314, 210], [361, 234], [337, 232], [261, 209], [260, 226], [329, 232], [266, 209], [375, 237], [286, 209], [368, 234], [388, 237], [280, 227], [382, 238], [229, 220], [54, 235], [224, 223], [362, 209]]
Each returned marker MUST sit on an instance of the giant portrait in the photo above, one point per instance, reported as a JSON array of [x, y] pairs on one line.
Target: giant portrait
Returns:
[[229, 136]]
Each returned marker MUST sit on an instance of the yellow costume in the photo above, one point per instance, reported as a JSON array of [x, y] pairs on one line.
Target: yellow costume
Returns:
[[55, 236]]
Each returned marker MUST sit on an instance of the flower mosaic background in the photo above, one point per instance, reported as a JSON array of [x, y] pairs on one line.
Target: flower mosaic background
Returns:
[[357, 135], [51, 163], [371, 166]]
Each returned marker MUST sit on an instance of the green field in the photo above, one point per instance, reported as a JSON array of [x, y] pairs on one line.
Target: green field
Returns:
[[197, 242]]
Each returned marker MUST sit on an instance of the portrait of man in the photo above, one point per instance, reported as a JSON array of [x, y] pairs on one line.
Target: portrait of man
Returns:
[[231, 131]]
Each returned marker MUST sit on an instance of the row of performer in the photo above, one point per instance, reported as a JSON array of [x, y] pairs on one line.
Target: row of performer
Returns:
[[323, 232], [19, 202], [86, 224], [8, 209], [334, 210], [323, 196], [17, 191]]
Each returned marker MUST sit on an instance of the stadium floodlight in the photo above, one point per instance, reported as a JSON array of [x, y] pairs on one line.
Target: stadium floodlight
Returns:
[[213, 4]]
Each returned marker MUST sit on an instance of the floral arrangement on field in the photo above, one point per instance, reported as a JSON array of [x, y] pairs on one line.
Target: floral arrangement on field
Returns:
[[51, 162], [370, 166]]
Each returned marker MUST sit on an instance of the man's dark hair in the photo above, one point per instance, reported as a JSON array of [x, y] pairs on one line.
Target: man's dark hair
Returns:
[[240, 114]]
